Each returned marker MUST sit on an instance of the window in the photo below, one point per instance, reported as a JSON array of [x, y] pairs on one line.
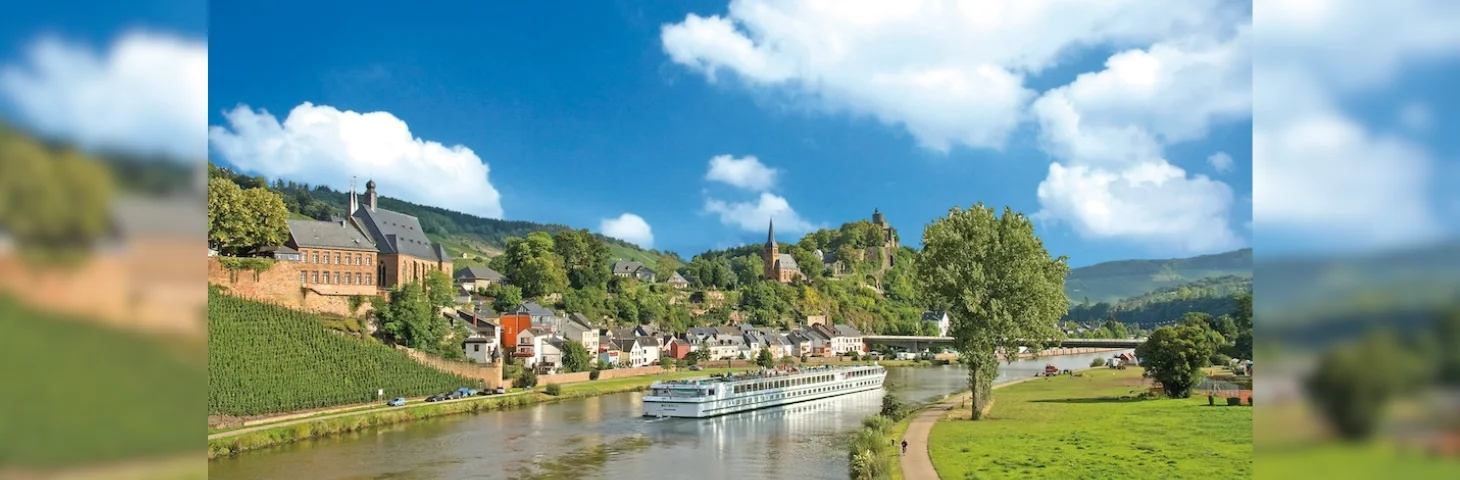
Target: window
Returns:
[[316, 258], [476, 347], [367, 258], [367, 279], [349, 280], [303, 277], [316, 274], [357, 260], [347, 259], [358, 279], [337, 258], [337, 278]]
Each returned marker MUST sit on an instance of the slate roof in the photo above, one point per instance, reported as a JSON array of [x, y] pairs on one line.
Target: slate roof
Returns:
[[847, 331], [787, 261], [581, 320], [932, 316], [318, 234], [479, 272], [677, 278], [533, 309], [626, 267], [398, 233]]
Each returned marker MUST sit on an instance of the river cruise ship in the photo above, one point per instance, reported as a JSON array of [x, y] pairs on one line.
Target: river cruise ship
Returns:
[[729, 393]]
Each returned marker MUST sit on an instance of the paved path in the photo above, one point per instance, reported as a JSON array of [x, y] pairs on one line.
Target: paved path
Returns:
[[917, 464], [362, 411]]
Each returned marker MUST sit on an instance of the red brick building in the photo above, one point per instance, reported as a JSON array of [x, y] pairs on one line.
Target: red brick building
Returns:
[[405, 254]]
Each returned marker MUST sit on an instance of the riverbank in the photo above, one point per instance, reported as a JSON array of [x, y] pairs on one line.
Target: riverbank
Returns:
[[242, 440], [1094, 425]]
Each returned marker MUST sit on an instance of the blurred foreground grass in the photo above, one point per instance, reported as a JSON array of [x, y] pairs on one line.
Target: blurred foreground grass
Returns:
[[79, 393]]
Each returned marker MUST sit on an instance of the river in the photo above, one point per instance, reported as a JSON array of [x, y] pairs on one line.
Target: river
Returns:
[[605, 437]]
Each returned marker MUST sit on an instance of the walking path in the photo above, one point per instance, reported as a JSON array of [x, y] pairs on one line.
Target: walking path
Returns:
[[358, 411], [917, 464]]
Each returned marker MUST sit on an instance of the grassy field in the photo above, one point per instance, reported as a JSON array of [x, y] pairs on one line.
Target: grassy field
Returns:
[[81, 393], [1339, 461], [1081, 427]]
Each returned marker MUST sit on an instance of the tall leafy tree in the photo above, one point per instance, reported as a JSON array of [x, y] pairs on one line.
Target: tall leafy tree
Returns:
[[586, 259], [505, 297], [666, 266], [1003, 288], [533, 265], [52, 204], [763, 359], [1175, 356], [240, 220], [576, 357], [439, 290], [408, 319]]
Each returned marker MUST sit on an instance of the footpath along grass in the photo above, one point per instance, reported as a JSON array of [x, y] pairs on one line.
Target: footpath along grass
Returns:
[[268, 437], [1090, 427]]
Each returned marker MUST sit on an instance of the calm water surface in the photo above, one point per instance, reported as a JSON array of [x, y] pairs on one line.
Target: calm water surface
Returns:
[[605, 437]]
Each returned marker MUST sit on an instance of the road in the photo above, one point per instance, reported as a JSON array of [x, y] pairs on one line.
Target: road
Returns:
[[357, 411]]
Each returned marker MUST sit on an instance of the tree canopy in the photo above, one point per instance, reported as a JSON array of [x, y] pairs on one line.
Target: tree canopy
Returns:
[[1002, 287], [1176, 355], [241, 220]]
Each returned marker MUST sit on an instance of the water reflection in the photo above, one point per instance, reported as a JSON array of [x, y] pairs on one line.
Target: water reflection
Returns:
[[607, 437]]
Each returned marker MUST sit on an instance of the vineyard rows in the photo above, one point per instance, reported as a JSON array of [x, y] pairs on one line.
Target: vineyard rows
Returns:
[[268, 359]]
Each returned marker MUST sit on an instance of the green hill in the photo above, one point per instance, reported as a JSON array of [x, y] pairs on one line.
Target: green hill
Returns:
[[1213, 295], [1112, 281], [267, 359], [479, 238]]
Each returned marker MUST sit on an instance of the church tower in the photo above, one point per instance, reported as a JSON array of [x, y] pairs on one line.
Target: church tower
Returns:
[[370, 194], [772, 254]]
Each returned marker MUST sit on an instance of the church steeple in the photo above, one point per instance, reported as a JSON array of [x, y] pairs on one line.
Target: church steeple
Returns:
[[772, 254], [770, 236]]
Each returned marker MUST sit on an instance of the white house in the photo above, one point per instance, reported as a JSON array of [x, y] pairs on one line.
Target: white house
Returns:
[[530, 345], [847, 339], [578, 329], [643, 351], [940, 319], [480, 348], [550, 358]]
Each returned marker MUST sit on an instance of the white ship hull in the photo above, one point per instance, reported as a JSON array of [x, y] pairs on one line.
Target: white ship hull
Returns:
[[661, 402]]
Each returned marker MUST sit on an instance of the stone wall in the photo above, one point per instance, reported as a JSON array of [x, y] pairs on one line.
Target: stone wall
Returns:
[[577, 377], [280, 285], [490, 374], [133, 287]]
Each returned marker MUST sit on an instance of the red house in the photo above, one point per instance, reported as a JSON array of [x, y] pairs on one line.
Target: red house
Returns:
[[513, 324], [678, 348]]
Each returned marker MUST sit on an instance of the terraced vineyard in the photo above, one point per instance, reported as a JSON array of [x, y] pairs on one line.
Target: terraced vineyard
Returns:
[[268, 359]]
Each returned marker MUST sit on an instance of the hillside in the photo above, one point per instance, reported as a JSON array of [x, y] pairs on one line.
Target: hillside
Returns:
[[268, 359], [1112, 281], [1216, 296], [478, 238]]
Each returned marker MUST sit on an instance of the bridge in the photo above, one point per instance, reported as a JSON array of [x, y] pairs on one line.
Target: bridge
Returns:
[[917, 342]]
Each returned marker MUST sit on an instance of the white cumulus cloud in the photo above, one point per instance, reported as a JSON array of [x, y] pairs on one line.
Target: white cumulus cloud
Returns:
[[949, 72], [628, 227], [1109, 131], [755, 216], [746, 172], [1220, 161], [147, 94], [1320, 172], [320, 144]]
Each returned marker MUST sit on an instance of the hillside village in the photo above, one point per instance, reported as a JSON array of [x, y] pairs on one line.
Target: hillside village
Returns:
[[544, 292]]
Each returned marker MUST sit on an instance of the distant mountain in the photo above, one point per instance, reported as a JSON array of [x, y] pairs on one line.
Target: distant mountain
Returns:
[[1112, 281], [1216, 296]]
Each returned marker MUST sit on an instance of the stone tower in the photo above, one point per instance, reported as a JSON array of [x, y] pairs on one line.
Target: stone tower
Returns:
[[772, 254], [370, 194]]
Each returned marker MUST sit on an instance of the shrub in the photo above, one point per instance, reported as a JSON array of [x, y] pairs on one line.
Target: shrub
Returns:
[[593, 375], [528, 379], [1221, 360], [893, 408], [554, 389], [1097, 362]]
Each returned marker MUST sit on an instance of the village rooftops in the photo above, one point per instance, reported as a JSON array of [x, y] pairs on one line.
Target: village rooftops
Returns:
[[478, 272], [398, 233]]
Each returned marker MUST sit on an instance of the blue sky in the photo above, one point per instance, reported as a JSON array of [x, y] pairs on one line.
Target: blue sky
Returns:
[[1103, 121], [584, 117]]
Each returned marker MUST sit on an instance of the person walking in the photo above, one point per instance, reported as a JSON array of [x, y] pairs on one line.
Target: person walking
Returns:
[[904, 446]]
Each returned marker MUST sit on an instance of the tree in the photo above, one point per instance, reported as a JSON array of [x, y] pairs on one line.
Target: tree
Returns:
[[1004, 289], [1115, 329], [764, 358], [1175, 356], [666, 266], [1354, 384], [53, 204], [408, 319], [666, 362], [439, 290], [701, 354], [586, 259], [1447, 338], [505, 297], [576, 357], [533, 266], [240, 220]]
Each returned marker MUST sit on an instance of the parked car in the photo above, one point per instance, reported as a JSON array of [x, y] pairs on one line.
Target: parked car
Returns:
[[396, 402], [438, 397], [501, 390], [695, 368]]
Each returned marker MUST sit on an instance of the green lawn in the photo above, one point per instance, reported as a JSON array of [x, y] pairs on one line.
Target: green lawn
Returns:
[[1080, 427], [1336, 461]]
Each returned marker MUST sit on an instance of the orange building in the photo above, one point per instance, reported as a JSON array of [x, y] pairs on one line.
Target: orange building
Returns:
[[513, 323]]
